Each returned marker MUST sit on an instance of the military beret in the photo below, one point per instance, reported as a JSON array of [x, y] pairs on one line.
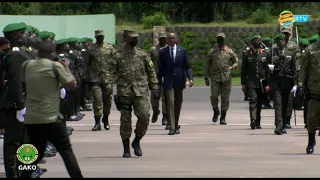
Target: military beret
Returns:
[[279, 36], [131, 32], [314, 38], [221, 35], [36, 31], [266, 39], [44, 34], [51, 35], [72, 40], [247, 39], [61, 41], [14, 27], [82, 40], [304, 41], [90, 39], [29, 28], [255, 37]]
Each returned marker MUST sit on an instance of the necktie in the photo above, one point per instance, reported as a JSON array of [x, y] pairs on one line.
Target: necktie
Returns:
[[171, 53]]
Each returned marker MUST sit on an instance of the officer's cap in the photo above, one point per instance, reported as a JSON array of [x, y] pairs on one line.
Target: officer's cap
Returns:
[[14, 27], [255, 37], [314, 38], [221, 35], [62, 41], [99, 32], [286, 30], [44, 34], [72, 40], [131, 32], [266, 39], [279, 36], [162, 34]]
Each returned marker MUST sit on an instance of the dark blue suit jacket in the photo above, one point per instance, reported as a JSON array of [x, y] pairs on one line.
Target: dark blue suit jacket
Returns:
[[174, 72]]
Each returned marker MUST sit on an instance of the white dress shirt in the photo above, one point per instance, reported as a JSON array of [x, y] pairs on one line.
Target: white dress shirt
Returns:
[[174, 52]]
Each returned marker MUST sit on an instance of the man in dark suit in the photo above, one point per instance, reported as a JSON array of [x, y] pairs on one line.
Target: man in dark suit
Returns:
[[173, 64]]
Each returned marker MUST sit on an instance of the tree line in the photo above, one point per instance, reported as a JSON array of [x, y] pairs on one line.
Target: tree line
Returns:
[[175, 12]]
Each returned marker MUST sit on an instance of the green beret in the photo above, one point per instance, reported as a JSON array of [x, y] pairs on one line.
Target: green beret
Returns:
[[36, 31], [14, 27], [52, 35], [83, 40], [72, 40], [266, 39], [314, 38], [255, 37], [279, 36], [247, 39], [29, 28], [304, 41], [44, 34], [90, 39], [61, 41]]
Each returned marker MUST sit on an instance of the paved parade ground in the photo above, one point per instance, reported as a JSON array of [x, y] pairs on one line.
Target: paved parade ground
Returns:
[[203, 149]]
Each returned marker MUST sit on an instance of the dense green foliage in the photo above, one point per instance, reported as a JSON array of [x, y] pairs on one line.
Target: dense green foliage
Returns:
[[175, 12]]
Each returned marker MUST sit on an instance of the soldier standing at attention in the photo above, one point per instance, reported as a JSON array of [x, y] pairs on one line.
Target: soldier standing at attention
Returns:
[[221, 60], [309, 78], [294, 47], [99, 57], [254, 79], [13, 101], [84, 82], [135, 75], [282, 81], [77, 59], [154, 54]]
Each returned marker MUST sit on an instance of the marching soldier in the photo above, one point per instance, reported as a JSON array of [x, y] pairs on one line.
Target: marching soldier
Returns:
[[77, 59], [154, 54], [309, 78], [281, 80], [12, 101], [221, 60], [135, 75], [98, 63], [254, 79]]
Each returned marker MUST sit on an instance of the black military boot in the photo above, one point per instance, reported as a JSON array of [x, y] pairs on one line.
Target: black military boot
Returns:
[[164, 119], [223, 118], [105, 121], [287, 122], [155, 116], [167, 127], [253, 124], [126, 148], [136, 146], [216, 114], [277, 131], [311, 143], [97, 126], [258, 125]]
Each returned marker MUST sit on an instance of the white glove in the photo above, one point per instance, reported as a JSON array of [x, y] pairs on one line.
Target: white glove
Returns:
[[294, 90], [20, 114], [299, 68], [63, 93]]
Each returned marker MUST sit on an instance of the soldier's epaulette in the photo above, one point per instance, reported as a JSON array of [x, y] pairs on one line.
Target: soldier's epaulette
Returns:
[[15, 49]]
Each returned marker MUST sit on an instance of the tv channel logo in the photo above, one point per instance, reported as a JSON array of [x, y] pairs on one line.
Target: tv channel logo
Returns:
[[287, 19]]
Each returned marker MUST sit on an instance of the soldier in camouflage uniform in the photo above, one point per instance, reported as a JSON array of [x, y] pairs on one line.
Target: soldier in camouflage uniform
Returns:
[[221, 60], [98, 62], [309, 78], [254, 79], [281, 80], [77, 59], [154, 54], [135, 75]]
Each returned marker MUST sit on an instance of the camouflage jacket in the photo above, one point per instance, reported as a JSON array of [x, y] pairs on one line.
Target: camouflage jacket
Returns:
[[310, 69], [218, 62], [134, 71], [154, 54], [98, 62]]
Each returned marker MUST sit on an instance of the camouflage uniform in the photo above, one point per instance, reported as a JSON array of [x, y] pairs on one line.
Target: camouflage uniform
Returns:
[[254, 75], [309, 78], [281, 82], [216, 68], [99, 59], [135, 74], [154, 54]]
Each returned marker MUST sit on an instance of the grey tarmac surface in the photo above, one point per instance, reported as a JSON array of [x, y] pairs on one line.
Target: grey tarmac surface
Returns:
[[203, 149]]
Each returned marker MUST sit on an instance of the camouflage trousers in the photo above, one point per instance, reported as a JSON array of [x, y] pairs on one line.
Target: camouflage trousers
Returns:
[[280, 103], [155, 103], [313, 115], [102, 98], [223, 89], [141, 109]]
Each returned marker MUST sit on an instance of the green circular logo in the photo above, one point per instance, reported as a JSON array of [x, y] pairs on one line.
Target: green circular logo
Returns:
[[27, 154]]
